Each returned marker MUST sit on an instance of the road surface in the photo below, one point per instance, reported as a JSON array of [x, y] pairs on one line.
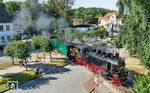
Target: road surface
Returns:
[[69, 79]]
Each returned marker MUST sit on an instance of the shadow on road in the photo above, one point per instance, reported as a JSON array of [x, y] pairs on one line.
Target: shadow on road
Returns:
[[61, 71], [34, 84], [44, 80], [45, 67], [7, 74]]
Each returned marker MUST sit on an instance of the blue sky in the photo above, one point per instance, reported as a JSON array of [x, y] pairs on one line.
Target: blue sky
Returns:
[[110, 4]]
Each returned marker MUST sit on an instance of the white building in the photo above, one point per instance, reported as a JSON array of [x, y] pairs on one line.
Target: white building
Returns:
[[6, 32], [7, 29], [110, 21]]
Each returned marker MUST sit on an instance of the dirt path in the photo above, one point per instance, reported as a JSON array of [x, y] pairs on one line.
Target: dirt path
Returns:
[[133, 64]]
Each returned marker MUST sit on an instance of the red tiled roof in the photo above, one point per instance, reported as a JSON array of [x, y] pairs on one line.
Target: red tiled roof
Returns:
[[103, 18], [106, 16], [109, 14]]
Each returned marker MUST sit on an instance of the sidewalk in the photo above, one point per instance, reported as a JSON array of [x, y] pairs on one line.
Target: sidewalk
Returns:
[[103, 86], [11, 71], [17, 69], [91, 87]]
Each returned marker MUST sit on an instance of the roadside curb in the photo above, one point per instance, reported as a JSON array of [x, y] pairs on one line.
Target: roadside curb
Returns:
[[19, 84]]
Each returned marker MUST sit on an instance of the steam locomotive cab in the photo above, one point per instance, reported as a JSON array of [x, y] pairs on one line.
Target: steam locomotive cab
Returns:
[[81, 52]]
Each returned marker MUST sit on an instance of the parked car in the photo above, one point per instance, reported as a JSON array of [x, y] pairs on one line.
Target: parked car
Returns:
[[26, 37]]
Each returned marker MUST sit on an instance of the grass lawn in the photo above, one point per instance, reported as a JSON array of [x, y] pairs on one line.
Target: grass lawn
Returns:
[[134, 65], [7, 63], [40, 54], [29, 40], [20, 77], [58, 63]]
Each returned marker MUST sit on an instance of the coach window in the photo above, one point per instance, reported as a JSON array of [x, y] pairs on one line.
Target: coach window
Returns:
[[99, 52], [86, 51]]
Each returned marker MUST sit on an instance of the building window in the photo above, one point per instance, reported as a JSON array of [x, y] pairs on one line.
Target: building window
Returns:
[[8, 38], [1, 28], [7, 27], [2, 39]]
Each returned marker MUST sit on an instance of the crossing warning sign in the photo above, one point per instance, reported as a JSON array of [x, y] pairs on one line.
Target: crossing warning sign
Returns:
[[12, 84]]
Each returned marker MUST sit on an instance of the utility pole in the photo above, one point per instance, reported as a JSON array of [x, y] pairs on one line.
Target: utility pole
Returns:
[[112, 30]]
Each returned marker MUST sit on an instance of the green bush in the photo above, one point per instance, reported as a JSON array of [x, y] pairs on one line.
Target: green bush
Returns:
[[100, 32], [141, 84], [117, 41]]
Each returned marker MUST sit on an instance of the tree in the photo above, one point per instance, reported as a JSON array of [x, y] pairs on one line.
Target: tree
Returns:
[[33, 8], [12, 7], [124, 6], [47, 46], [101, 32], [58, 8], [9, 50], [88, 15], [15, 37], [135, 30], [37, 43], [117, 41], [27, 16], [17, 49], [141, 84], [22, 51], [2, 5]]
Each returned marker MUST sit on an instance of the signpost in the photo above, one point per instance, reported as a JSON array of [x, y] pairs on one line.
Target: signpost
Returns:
[[12, 84]]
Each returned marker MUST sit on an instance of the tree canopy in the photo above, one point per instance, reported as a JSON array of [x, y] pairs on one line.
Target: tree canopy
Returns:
[[37, 43], [58, 8], [12, 7], [9, 50], [141, 84], [89, 15], [17, 49], [135, 32], [22, 50], [47, 46]]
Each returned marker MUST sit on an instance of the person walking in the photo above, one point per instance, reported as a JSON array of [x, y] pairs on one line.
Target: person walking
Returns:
[[37, 71], [96, 79]]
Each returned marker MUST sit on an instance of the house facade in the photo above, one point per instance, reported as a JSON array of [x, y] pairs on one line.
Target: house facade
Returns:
[[6, 32], [7, 28], [110, 21]]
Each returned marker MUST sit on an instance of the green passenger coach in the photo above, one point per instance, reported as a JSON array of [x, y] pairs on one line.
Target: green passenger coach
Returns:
[[62, 46]]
